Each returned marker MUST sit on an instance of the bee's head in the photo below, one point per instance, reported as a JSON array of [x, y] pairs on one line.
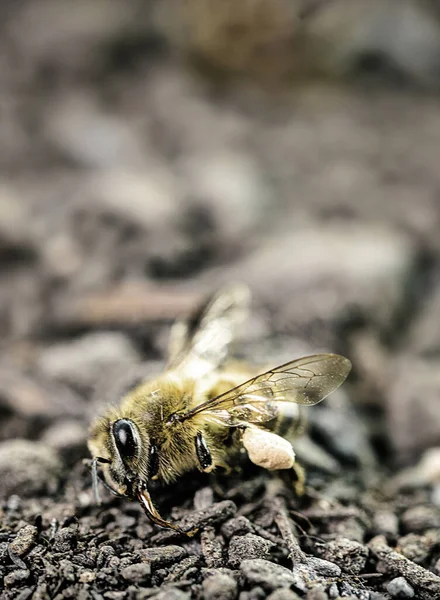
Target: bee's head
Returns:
[[127, 458]]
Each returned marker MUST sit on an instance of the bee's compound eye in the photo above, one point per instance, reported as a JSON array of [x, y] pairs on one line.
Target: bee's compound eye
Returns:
[[125, 438]]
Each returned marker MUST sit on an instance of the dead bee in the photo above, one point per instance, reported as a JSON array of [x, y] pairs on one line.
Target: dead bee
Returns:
[[199, 414]]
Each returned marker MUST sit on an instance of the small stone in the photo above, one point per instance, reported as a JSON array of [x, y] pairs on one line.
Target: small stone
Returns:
[[385, 523], [161, 556], [138, 573], [248, 546], [236, 526], [82, 362], [217, 513], [16, 577], [172, 593], [418, 547], [87, 577], [24, 540], [256, 593], [316, 593], [27, 468], [219, 587], [68, 438], [348, 553], [269, 575], [284, 594], [400, 588], [65, 539], [420, 518]]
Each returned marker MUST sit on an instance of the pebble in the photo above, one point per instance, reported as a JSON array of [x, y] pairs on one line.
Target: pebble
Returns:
[[385, 523], [316, 593], [161, 556], [27, 468], [219, 586], [65, 539], [18, 576], [284, 594], [172, 593], [420, 518], [248, 546], [24, 540], [236, 526], [138, 573], [68, 438], [348, 553], [217, 513], [400, 588], [80, 363], [269, 575]]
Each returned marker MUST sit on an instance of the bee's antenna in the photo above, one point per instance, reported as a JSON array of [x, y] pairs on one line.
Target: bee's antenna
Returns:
[[95, 480]]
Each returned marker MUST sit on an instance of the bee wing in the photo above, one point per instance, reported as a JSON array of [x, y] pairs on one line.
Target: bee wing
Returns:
[[304, 381], [201, 343]]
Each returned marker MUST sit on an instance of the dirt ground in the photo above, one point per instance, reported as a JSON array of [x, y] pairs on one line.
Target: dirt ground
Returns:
[[130, 186]]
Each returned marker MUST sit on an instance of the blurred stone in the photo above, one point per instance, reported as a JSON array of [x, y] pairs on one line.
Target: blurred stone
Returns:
[[219, 586], [27, 468], [342, 269], [80, 363], [284, 594], [424, 339], [89, 135], [418, 547], [68, 438], [400, 588], [413, 406], [420, 518]]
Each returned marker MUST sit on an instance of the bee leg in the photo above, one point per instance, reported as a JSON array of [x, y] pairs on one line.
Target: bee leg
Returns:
[[203, 454], [299, 479]]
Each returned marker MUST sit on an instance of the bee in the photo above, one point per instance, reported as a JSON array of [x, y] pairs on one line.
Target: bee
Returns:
[[204, 410]]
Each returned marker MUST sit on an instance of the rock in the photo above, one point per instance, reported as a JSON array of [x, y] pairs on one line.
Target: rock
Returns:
[[82, 362], [24, 540], [247, 546], [269, 575], [217, 513], [219, 586], [172, 593], [284, 594], [420, 518], [65, 539], [351, 555], [385, 523], [412, 406], [138, 573], [237, 526], [68, 438], [418, 547], [166, 555], [27, 468], [316, 593], [400, 588]]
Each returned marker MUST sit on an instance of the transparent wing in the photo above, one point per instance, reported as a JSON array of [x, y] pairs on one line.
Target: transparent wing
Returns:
[[201, 343], [304, 381]]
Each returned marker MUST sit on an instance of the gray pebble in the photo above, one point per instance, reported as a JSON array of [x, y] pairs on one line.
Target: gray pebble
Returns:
[[419, 518], [217, 513], [236, 526], [316, 593], [322, 567], [219, 587], [24, 540], [400, 588], [65, 539], [137, 573], [16, 577], [351, 555], [27, 468], [333, 591], [269, 575], [283, 594], [256, 593], [161, 556], [172, 593], [385, 523], [247, 546]]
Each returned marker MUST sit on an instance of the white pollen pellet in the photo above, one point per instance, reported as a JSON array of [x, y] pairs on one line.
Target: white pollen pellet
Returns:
[[267, 449]]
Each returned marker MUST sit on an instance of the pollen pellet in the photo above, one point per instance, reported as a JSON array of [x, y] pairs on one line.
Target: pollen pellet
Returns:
[[267, 449]]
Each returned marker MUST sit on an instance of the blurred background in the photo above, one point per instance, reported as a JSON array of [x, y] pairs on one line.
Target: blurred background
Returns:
[[151, 151]]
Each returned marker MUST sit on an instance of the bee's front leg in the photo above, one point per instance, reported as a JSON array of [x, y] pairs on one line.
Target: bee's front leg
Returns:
[[203, 454]]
